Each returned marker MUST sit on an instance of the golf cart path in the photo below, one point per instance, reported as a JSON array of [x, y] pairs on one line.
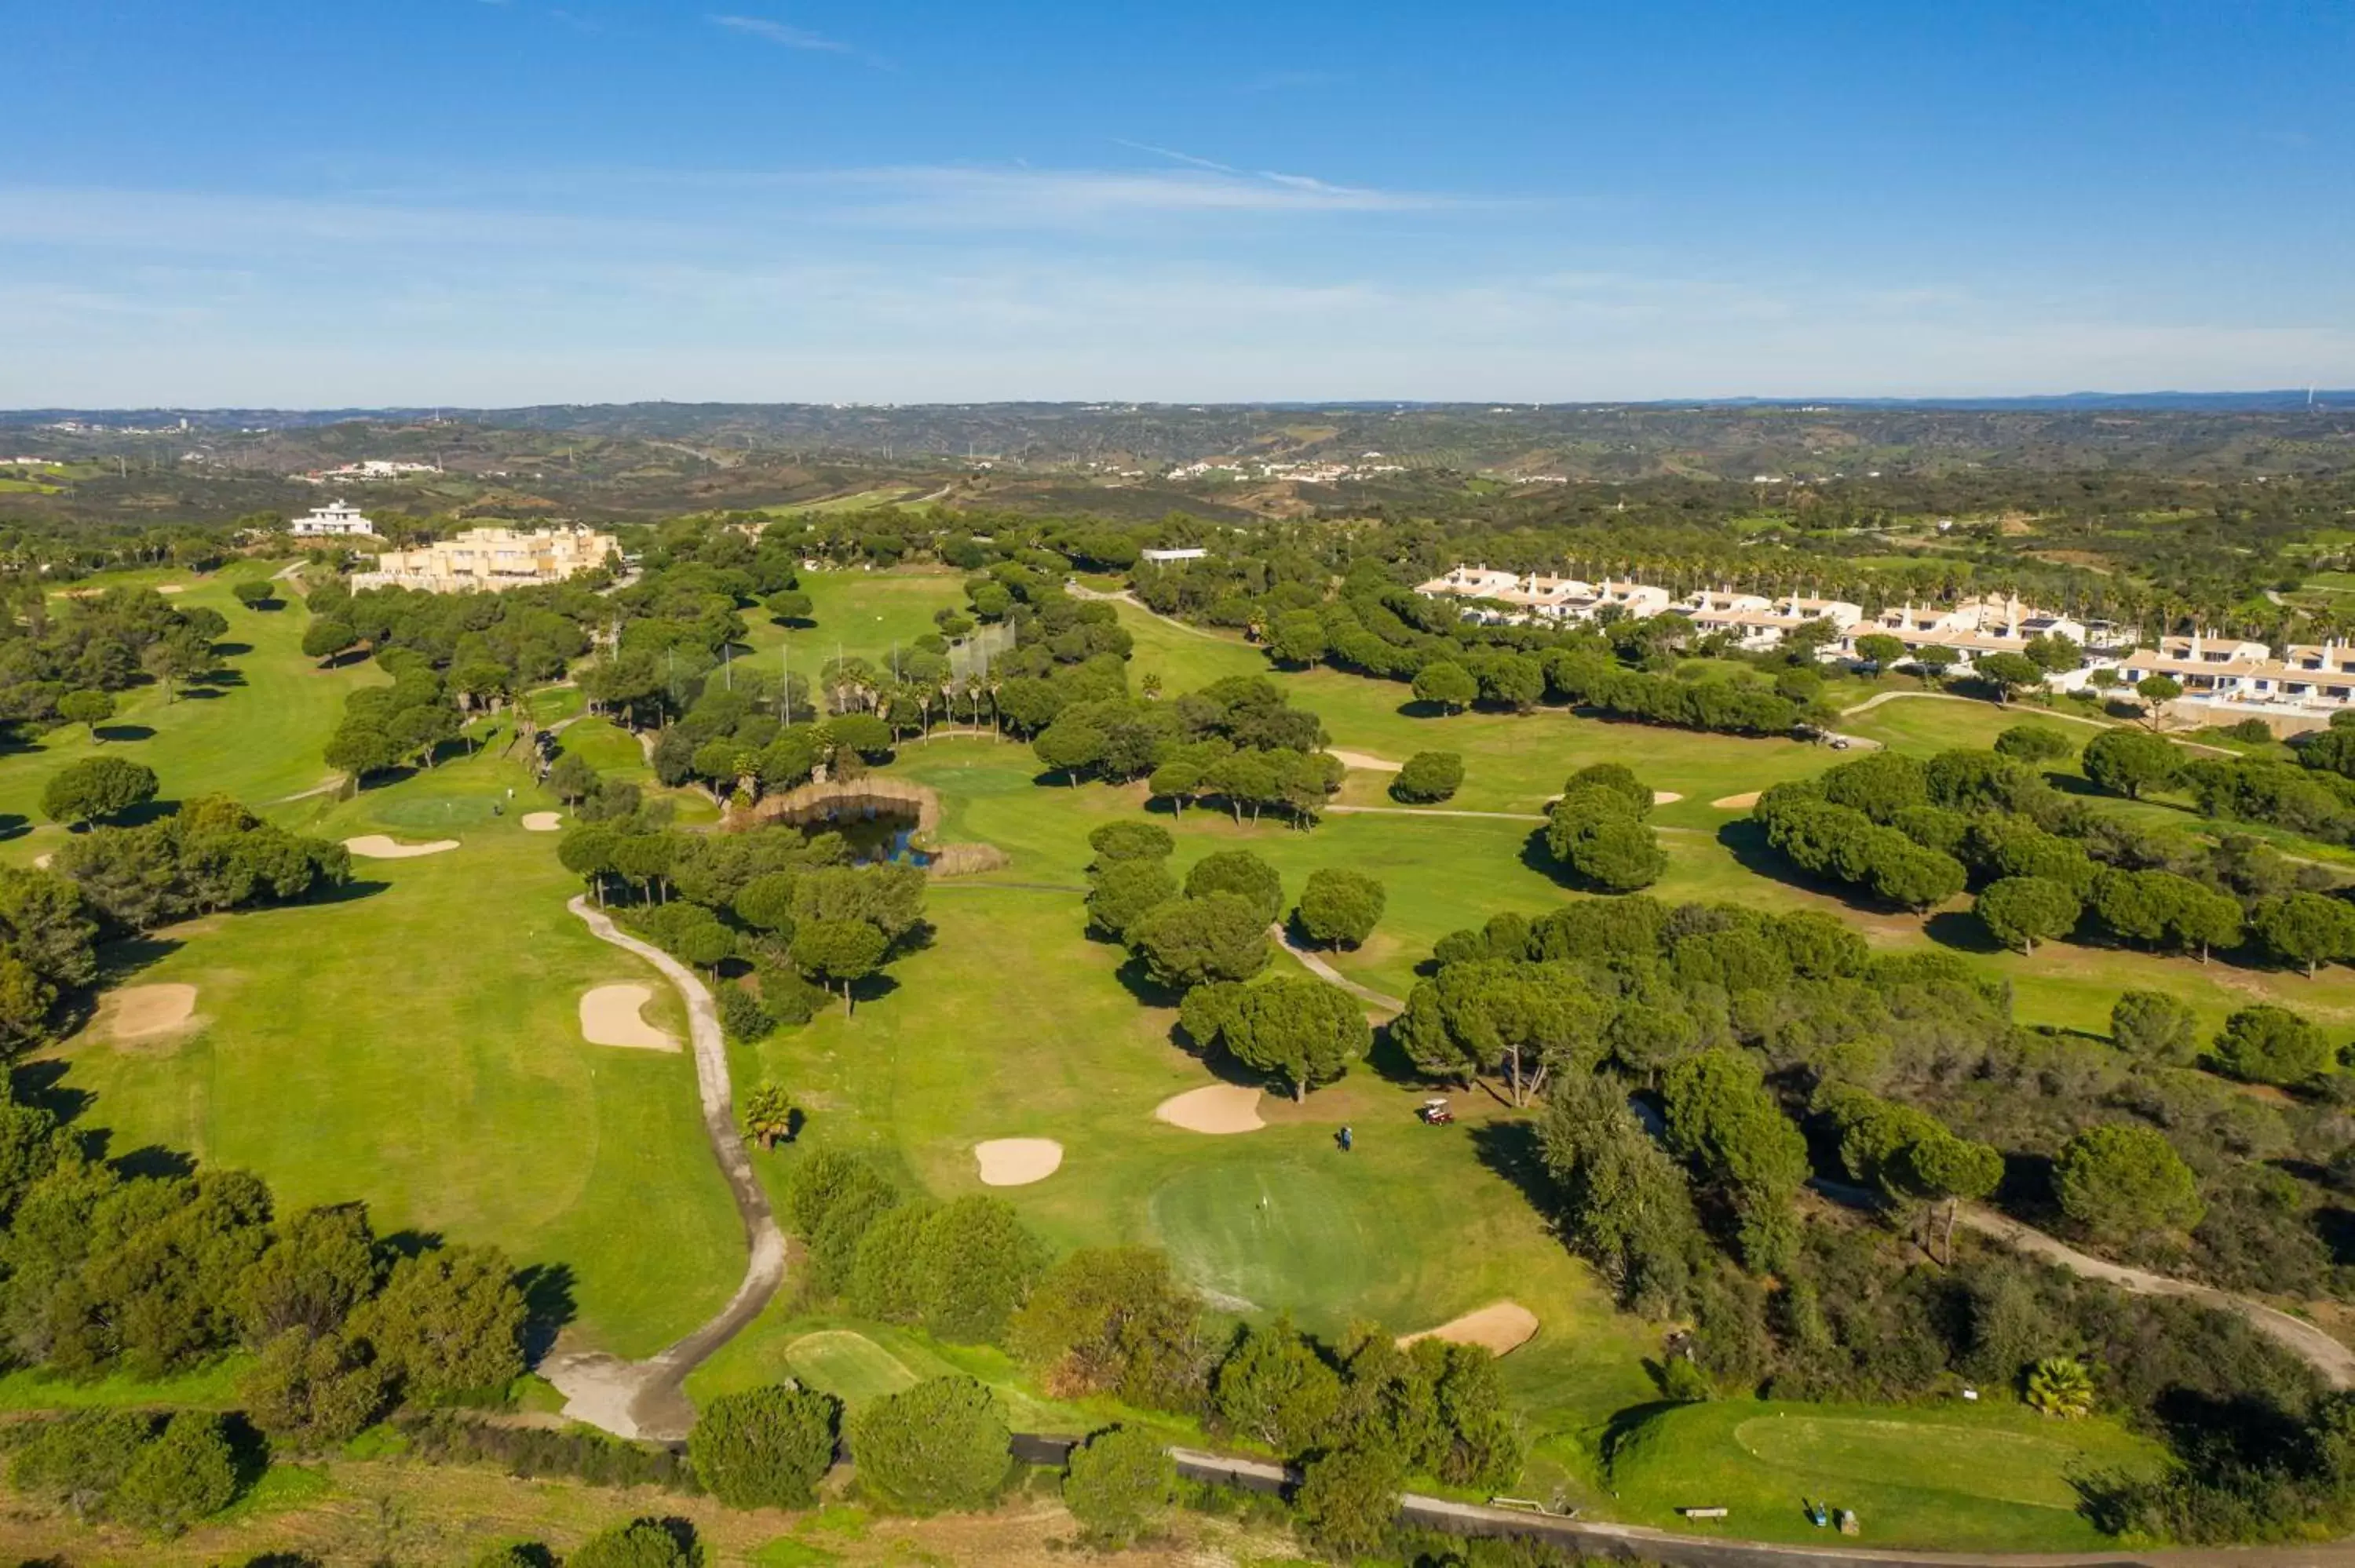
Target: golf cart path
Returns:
[[1432, 812], [2326, 1355], [2334, 1361], [1879, 697], [1315, 965], [1481, 816], [648, 1398], [1079, 591], [1598, 1540], [329, 787], [1609, 1541]]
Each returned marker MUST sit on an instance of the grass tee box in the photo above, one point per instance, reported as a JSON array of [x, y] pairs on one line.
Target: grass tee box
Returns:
[[1990, 1478]]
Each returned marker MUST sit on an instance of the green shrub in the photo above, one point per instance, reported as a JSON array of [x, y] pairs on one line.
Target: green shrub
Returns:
[[641, 1543], [1428, 776], [1118, 1484], [743, 1018], [766, 1448], [77, 1461], [183, 1476], [940, 1446]]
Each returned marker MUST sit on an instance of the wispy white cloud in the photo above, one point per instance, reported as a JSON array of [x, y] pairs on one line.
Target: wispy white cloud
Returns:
[[1188, 281], [1175, 155], [786, 36], [956, 197], [781, 34], [135, 223]]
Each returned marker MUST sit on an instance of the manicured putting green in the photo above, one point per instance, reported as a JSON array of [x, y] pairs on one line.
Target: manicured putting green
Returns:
[[433, 810], [850, 1366], [1273, 1234]]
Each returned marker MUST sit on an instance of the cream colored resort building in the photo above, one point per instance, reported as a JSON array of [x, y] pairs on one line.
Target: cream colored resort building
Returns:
[[488, 560]]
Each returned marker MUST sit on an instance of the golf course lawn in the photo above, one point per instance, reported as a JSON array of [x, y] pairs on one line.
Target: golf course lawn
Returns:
[[1512, 762], [1992, 1477], [1443, 874], [861, 614], [416, 1045], [257, 735], [1012, 1024], [857, 1362]]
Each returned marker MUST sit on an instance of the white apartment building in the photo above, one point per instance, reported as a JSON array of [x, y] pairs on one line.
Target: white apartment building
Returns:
[[1972, 629], [490, 560], [1513, 597], [1759, 621], [2309, 677], [339, 519]]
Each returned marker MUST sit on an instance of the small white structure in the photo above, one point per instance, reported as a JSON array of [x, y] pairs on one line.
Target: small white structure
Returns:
[[339, 519], [368, 471], [1194, 553]]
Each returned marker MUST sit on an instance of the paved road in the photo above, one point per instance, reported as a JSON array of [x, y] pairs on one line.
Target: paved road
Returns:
[[1432, 812], [648, 1399], [1315, 965], [1600, 1539]]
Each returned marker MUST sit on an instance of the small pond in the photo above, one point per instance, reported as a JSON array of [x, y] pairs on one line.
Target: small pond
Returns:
[[877, 832]]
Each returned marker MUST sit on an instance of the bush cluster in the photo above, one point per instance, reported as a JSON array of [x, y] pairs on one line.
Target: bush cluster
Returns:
[[1597, 830]]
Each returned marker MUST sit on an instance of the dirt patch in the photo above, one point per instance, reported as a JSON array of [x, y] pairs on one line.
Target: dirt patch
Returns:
[[1665, 797], [1500, 1328], [1737, 803], [542, 821], [610, 1016], [1360, 759], [376, 846], [1017, 1162], [144, 1011], [966, 860], [1213, 1108]]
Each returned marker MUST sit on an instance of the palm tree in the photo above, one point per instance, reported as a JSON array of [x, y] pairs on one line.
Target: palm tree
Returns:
[[769, 1115], [2061, 1387]]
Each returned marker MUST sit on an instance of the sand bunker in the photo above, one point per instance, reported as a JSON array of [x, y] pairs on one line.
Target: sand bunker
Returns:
[[610, 1016], [1737, 803], [1361, 760], [172, 588], [1017, 1162], [375, 846], [137, 1011], [1499, 1327], [1218, 1108], [542, 821], [1665, 797], [41, 862]]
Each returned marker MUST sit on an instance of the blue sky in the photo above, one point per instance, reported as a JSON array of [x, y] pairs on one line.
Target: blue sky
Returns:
[[487, 202]]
